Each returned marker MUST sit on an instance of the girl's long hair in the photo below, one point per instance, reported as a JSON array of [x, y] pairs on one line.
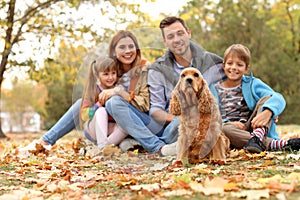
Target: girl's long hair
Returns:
[[112, 47]]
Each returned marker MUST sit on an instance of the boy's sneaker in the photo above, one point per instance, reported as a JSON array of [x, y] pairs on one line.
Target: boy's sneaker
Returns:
[[169, 150], [254, 145], [129, 144], [293, 144]]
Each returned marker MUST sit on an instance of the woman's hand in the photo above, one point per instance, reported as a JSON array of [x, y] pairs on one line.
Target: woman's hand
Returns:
[[104, 95], [261, 119]]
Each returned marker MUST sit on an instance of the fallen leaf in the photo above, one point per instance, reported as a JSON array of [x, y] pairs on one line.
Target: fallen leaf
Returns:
[[294, 156], [231, 187], [267, 163], [159, 166], [215, 185], [148, 187], [110, 151], [276, 177], [177, 193], [252, 194]]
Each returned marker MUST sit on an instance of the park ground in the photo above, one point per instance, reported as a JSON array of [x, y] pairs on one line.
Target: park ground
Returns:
[[63, 173]]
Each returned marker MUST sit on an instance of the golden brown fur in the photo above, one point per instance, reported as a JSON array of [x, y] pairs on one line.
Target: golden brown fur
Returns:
[[200, 130]]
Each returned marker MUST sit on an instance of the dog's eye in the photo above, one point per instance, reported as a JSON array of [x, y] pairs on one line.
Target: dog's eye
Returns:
[[196, 75], [182, 75]]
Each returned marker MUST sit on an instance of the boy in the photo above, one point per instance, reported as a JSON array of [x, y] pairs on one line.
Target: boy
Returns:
[[248, 106]]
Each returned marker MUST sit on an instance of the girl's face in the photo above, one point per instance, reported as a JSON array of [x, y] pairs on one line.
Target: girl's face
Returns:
[[235, 68], [108, 78], [125, 51]]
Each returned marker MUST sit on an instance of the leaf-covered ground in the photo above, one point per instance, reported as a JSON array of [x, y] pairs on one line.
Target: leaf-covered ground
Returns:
[[63, 173]]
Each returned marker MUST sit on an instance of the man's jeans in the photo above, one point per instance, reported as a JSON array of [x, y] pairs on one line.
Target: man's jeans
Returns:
[[141, 126], [64, 125]]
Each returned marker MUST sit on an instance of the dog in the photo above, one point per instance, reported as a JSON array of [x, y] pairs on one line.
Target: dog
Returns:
[[200, 130]]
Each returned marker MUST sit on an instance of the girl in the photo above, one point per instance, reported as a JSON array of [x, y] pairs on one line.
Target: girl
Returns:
[[99, 127]]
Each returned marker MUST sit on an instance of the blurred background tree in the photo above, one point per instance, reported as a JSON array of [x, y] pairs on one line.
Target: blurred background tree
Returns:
[[30, 21], [59, 76], [27, 96]]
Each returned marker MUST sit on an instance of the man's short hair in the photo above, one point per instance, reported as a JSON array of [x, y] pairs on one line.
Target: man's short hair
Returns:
[[170, 20]]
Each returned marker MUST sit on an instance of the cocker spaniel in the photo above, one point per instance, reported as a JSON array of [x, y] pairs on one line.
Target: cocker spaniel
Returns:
[[200, 130]]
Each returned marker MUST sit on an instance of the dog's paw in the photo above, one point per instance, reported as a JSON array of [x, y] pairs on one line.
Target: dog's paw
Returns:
[[177, 163], [218, 162]]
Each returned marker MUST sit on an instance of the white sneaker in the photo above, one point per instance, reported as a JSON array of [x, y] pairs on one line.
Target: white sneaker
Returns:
[[128, 143], [33, 147], [169, 149], [88, 146]]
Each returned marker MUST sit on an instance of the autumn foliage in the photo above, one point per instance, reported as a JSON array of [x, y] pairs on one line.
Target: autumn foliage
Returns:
[[63, 173]]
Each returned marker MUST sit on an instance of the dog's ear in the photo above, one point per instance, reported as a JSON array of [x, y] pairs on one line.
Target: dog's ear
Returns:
[[175, 107], [200, 86], [205, 98]]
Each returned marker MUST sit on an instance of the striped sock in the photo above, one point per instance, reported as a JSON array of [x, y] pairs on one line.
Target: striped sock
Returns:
[[277, 144], [259, 132]]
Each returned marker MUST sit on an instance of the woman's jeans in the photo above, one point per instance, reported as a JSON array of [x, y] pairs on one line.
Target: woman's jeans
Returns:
[[141, 126], [64, 125]]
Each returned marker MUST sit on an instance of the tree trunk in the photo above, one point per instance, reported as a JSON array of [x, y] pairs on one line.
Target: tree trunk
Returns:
[[2, 135], [6, 50]]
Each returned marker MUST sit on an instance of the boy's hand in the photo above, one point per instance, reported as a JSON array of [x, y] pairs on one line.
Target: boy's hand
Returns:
[[261, 119], [239, 125], [276, 120]]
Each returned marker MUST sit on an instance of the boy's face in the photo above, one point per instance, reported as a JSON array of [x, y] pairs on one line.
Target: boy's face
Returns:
[[108, 78], [235, 68], [176, 38]]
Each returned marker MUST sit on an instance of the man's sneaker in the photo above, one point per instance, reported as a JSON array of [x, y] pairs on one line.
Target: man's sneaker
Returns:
[[169, 150], [293, 144], [254, 145], [129, 144]]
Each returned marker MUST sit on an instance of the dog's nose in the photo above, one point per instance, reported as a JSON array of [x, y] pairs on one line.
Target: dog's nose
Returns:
[[189, 80]]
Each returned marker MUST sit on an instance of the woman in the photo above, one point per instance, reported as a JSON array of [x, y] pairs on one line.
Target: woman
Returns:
[[125, 50]]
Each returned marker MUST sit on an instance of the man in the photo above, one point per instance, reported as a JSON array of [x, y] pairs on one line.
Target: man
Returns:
[[163, 75]]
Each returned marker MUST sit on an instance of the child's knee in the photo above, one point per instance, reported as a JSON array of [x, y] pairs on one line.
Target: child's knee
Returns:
[[227, 128]]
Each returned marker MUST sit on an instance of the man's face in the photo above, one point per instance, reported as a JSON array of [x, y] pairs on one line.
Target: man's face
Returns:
[[177, 38]]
